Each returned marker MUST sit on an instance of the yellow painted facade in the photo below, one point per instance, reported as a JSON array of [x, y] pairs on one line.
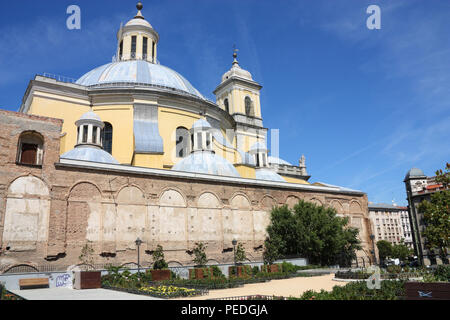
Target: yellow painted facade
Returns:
[[121, 119], [294, 180], [57, 106], [149, 161], [169, 121], [246, 171]]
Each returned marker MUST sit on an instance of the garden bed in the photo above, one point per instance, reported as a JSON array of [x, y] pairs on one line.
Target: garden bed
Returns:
[[390, 290], [161, 291], [6, 295], [223, 283], [361, 275]]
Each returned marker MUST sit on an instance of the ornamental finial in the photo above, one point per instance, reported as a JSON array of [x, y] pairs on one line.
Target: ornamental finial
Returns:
[[139, 6], [235, 51]]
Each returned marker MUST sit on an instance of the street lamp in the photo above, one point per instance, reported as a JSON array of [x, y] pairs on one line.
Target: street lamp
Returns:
[[234, 242], [138, 243], [372, 237]]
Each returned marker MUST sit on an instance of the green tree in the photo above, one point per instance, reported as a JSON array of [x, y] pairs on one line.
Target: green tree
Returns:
[[240, 255], [401, 251], [443, 177], [270, 253], [87, 253], [158, 258], [384, 249], [436, 216], [313, 231], [200, 259]]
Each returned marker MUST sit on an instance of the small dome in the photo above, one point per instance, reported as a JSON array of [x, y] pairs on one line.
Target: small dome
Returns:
[[138, 72], [237, 71], [415, 173], [269, 175], [208, 163], [90, 116], [138, 22], [139, 19], [201, 124], [89, 153]]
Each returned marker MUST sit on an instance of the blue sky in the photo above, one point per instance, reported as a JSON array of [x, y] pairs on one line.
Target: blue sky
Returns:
[[364, 106]]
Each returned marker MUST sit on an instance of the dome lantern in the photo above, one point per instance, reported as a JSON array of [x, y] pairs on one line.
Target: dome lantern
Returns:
[[137, 40], [201, 136], [89, 128], [89, 141], [259, 152]]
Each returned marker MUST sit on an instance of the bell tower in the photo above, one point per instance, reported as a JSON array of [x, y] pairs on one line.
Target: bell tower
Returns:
[[239, 95]]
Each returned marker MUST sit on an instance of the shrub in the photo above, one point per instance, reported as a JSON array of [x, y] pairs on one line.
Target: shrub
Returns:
[[390, 290], [394, 269], [158, 257], [217, 273], [288, 267], [361, 275], [200, 254], [246, 271], [442, 273]]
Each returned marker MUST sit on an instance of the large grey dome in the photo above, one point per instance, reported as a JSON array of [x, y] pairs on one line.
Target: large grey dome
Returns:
[[139, 72]]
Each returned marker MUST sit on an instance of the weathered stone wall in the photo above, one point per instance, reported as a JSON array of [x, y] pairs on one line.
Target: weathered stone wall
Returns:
[[48, 213]]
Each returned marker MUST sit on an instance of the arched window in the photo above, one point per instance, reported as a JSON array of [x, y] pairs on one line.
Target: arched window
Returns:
[[227, 106], [107, 137], [249, 107], [30, 149], [133, 47], [182, 146], [144, 48]]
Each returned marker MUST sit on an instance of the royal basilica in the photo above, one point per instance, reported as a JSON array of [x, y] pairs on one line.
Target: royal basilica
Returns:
[[131, 149]]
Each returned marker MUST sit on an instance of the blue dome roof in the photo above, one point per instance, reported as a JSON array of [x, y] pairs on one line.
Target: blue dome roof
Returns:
[[206, 162], [90, 116], [88, 153], [139, 72], [267, 174], [202, 123]]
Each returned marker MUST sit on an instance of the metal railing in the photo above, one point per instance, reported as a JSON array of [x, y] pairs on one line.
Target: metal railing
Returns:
[[148, 85], [58, 78]]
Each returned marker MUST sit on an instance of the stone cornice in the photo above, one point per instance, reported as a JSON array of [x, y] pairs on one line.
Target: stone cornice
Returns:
[[126, 169], [238, 80]]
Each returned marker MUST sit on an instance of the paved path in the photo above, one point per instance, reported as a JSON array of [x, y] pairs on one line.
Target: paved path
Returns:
[[71, 294], [287, 287]]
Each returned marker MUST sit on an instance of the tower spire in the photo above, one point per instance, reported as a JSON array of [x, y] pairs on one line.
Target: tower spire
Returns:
[[139, 6], [235, 51]]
